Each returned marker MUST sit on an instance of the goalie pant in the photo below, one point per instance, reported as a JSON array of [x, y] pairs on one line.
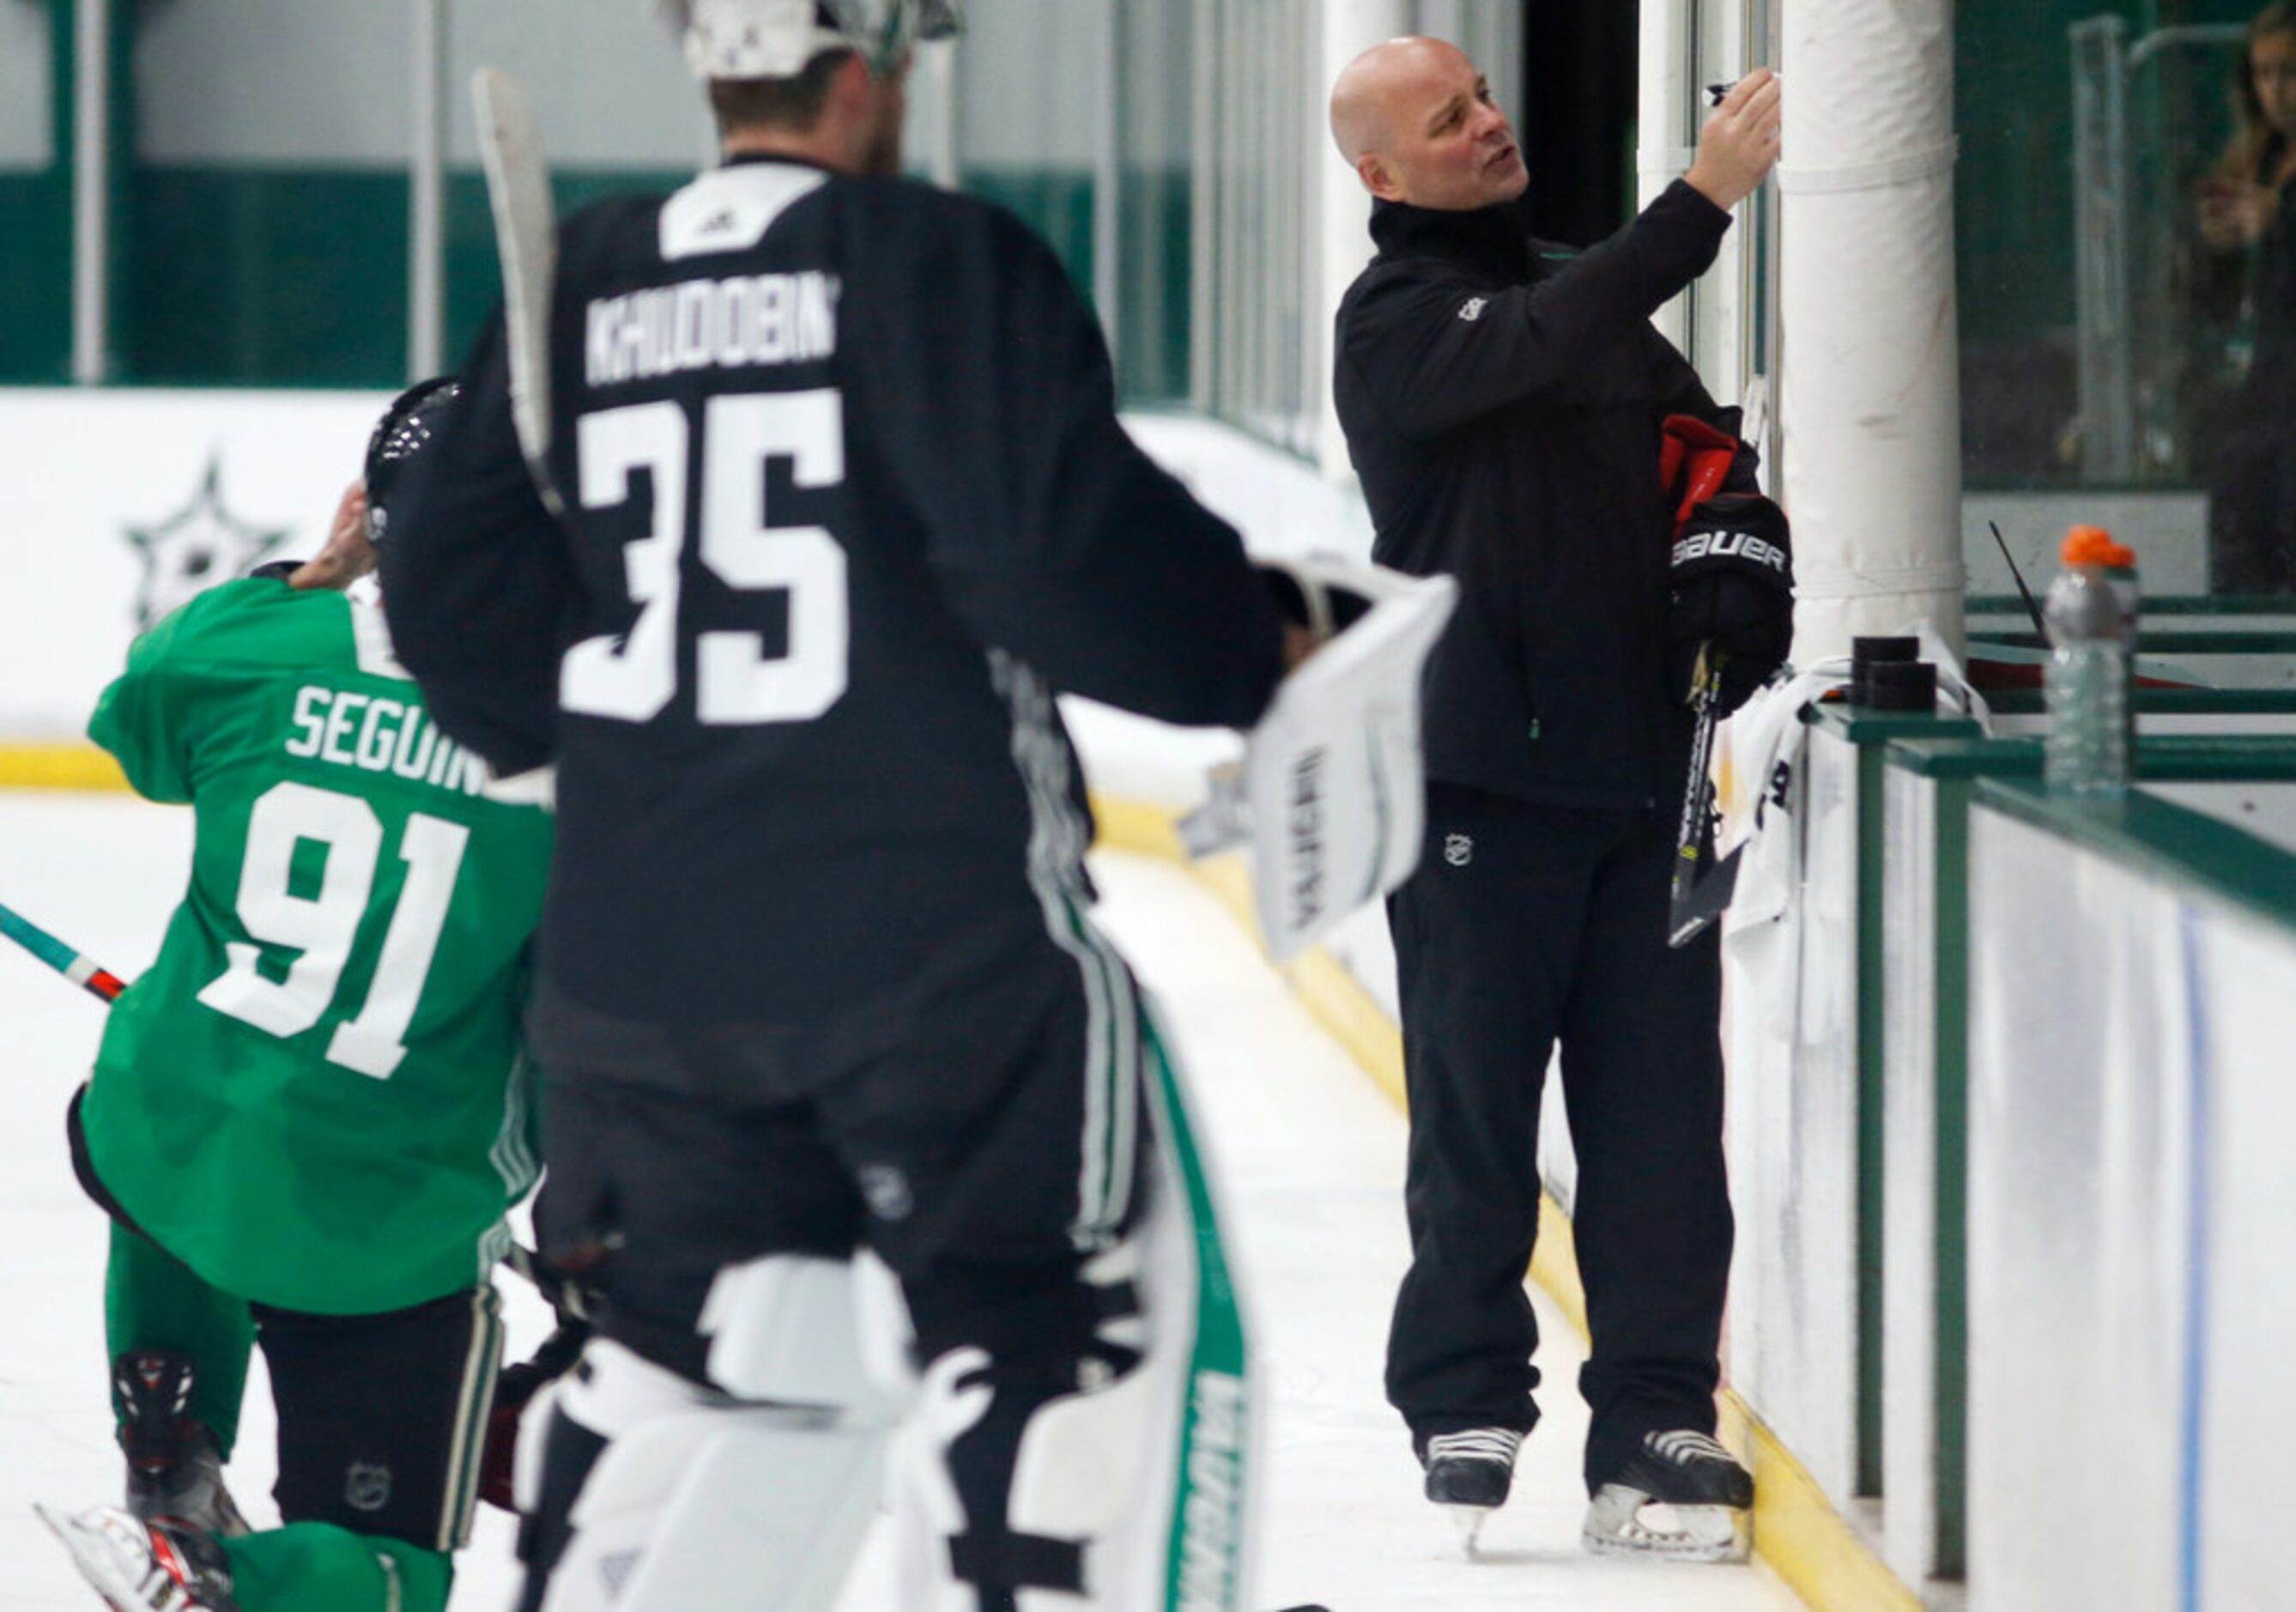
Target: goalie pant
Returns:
[[1024, 1164]]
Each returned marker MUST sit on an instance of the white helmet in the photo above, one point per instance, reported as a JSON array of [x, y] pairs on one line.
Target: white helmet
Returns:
[[777, 39]]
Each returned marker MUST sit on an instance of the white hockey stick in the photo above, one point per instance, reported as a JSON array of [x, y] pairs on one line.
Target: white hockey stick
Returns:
[[526, 234]]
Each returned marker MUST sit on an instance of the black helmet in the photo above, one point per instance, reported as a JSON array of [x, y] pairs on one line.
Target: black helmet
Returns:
[[405, 432]]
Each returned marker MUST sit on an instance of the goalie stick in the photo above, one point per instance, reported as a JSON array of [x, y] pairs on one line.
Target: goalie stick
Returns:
[[526, 236], [1701, 888]]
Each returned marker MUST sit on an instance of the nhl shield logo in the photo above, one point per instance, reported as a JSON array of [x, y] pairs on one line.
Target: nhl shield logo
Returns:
[[368, 1488], [1458, 849]]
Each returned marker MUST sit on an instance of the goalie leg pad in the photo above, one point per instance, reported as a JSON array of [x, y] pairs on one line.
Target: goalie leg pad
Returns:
[[753, 1493], [1103, 1462]]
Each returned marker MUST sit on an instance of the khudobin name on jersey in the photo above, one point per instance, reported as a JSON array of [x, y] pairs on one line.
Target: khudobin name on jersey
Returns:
[[727, 323]]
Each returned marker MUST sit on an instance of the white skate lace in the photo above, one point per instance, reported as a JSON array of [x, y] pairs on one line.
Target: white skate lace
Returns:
[[1476, 1443]]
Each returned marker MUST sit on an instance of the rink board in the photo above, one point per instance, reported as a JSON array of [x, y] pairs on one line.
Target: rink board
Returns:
[[2132, 1003], [1925, 981]]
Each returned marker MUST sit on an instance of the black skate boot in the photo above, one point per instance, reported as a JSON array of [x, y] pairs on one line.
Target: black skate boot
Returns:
[[1682, 1497], [146, 1566], [174, 1470], [1469, 1474]]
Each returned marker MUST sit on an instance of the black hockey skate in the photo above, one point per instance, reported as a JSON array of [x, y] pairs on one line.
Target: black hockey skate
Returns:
[[146, 1566], [1683, 1497], [1469, 1474], [175, 1472]]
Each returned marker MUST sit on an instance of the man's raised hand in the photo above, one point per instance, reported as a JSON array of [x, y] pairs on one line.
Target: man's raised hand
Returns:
[[1740, 144]]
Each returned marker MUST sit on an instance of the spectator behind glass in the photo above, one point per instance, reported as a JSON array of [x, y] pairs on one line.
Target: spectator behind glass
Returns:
[[2247, 218]]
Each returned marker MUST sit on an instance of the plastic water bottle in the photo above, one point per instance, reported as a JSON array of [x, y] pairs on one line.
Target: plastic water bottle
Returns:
[[2092, 620]]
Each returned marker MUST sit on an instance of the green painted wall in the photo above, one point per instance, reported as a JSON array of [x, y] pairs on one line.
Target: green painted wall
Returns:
[[36, 276], [36, 240], [244, 276]]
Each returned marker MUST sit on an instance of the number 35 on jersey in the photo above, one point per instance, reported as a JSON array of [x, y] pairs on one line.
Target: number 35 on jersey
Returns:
[[633, 677]]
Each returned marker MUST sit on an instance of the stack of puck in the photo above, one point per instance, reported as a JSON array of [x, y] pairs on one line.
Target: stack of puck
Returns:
[[1889, 674]]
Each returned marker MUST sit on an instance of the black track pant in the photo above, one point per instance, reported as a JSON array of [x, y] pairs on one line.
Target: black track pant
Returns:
[[1523, 925]]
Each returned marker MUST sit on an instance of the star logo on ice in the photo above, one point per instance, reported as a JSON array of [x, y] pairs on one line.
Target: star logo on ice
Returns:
[[201, 545]]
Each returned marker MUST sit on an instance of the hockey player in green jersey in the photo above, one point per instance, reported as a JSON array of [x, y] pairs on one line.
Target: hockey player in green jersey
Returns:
[[308, 1118]]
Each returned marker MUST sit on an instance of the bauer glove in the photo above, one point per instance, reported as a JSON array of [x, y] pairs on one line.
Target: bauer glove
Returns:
[[1732, 580]]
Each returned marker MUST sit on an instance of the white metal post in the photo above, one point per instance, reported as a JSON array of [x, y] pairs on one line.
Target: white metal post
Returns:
[[1667, 100], [938, 61], [92, 157], [426, 202], [1343, 207], [1107, 182]]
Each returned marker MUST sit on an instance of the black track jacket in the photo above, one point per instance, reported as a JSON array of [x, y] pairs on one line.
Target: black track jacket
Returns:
[[1502, 399], [846, 499]]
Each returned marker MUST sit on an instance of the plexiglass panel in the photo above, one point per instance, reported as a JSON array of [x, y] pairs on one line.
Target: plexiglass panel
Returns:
[[26, 65], [619, 111], [2127, 240], [35, 200], [263, 234]]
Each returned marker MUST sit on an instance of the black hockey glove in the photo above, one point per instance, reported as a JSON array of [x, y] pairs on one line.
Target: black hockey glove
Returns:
[[1732, 589]]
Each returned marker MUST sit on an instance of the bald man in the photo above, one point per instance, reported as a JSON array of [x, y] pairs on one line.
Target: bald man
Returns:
[[1503, 398]]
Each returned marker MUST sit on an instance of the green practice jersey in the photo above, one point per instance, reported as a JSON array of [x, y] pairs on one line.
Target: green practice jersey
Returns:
[[316, 1097]]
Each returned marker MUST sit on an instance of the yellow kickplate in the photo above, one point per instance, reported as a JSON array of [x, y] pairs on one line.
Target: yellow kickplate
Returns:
[[58, 767]]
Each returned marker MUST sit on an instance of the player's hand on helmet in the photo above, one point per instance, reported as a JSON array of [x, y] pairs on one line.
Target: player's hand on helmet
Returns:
[[347, 555], [1740, 141]]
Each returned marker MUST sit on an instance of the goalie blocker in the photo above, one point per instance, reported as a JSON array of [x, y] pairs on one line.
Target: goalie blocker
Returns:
[[1331, 796]]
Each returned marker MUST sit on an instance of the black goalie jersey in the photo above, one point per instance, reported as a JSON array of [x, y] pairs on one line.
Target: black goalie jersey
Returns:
[[846, 497]]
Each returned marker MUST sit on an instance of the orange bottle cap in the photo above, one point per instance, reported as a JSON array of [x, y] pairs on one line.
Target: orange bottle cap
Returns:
[[2093, 545]]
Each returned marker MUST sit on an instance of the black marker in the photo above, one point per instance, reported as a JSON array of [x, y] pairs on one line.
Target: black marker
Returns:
[[1719, 93]]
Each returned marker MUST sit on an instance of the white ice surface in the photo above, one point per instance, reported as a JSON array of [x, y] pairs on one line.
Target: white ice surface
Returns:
[[1313, 1162]]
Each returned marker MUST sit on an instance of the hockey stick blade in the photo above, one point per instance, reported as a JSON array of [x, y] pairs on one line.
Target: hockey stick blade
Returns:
[[77, 967], [526, 235], [1707, 899]]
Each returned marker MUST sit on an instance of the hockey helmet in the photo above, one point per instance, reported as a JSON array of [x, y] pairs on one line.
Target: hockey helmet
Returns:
[[776, 38], [405, 432]]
